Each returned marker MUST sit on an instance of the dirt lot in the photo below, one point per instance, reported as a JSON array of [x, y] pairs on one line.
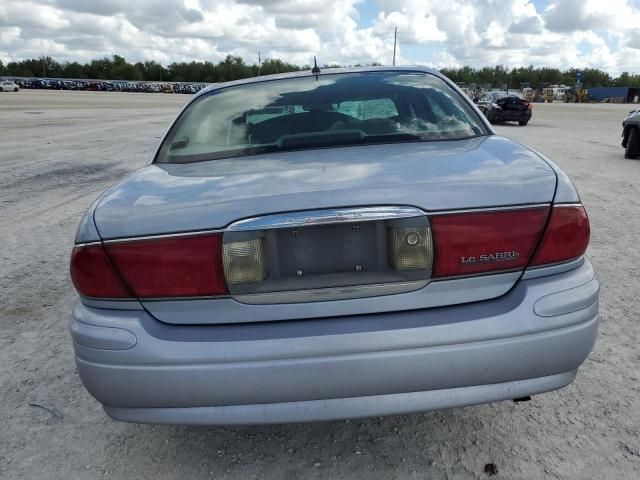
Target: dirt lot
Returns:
[[59, 150]]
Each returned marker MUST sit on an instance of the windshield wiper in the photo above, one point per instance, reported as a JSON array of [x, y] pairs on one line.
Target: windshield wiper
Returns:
[[316, 139], [394, 137], [301, 141], [179, 144], [339, 138]]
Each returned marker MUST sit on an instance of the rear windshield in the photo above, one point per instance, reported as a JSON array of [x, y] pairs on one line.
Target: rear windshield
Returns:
[[315, 112], [498, 95]]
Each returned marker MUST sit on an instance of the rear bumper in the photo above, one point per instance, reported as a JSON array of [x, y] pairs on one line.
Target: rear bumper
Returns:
[[529, 341], [506, 115], [338, 408]]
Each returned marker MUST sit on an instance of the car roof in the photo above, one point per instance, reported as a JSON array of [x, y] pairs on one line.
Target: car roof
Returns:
[[325, 71], [502, 92]]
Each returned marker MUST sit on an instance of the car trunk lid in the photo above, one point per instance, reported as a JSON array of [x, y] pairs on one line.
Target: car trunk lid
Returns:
[[314, 262], [451, 175], [513, 103]]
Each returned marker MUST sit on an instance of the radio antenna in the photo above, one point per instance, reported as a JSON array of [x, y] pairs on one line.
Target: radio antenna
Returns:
[[395, 42], [316, 69]]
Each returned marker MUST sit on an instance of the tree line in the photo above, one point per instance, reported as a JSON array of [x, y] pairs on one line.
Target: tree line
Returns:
[[117, 68], [537, 77], [233, 68]]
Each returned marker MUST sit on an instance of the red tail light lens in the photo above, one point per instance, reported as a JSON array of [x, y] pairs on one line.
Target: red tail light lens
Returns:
[[93, 275], [464, 244], [566, 236], [472, 243], [171, 267]]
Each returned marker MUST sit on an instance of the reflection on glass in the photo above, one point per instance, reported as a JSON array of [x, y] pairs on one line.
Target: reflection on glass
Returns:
[[335, 110]]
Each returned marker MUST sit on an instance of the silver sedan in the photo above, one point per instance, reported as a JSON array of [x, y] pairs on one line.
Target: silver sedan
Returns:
[[326, 245]]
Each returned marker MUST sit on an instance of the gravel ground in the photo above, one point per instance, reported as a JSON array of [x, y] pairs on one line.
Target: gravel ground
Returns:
[[59, 150]]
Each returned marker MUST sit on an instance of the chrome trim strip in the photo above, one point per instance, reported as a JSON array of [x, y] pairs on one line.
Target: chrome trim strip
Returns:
[[330, 294], [323, 217], [87, 244], [180, 299], [130, 303], [164, 235], [553, 269], [326, 216], [490, 209], [491, 273], [568, 205]]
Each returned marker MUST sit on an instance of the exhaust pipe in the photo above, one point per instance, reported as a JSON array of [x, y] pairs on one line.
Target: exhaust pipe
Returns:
[[522, 399]]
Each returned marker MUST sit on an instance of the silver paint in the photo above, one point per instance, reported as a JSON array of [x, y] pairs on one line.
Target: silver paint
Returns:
[[452, 175]]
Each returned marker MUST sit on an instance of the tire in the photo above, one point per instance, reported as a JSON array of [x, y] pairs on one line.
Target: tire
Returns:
[[523, 123], [633, 144], [1, 89], [490, 116], [15, 90]]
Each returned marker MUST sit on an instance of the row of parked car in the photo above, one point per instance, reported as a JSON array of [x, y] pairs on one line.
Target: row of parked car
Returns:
[[107, 85]]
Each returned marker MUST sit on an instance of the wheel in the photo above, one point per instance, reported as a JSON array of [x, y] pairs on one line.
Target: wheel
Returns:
[[523, 123], [490, 116], [633, 144], [1, 89], [15, 89]]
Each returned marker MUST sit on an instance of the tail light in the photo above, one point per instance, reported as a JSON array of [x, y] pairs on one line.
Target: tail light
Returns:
[[448, 245], [165, 267], [92, 274], [244, 261], [483, 242], [566, 236], [171, 267], [410, 248]]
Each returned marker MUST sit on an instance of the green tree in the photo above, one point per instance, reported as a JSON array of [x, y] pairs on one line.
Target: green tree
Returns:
[[125, 71], [73, 70], [233, 67], [99, 69]]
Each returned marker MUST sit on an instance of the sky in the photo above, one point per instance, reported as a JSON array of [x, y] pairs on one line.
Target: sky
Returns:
[[601, 34]]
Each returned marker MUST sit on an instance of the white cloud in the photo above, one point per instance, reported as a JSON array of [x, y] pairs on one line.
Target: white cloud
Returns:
[[417, 27], [572, 15], [565, 33]]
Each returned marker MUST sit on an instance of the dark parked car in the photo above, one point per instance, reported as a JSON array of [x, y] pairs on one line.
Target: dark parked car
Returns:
[[505, 107], [631, 134]]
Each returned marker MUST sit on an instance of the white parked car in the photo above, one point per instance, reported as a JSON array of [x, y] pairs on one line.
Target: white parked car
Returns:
[[8, 86]]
